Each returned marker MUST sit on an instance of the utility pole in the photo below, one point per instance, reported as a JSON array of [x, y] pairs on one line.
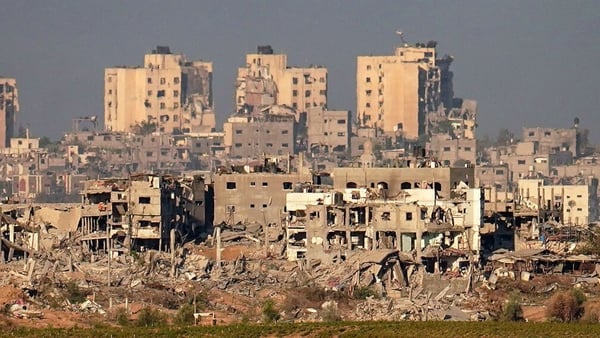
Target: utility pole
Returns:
[[129, 215], [108, 250]]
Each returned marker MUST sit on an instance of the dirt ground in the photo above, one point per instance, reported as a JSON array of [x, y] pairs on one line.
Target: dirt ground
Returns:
[[535, 313]]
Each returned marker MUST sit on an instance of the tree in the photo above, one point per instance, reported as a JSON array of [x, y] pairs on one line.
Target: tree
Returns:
[[566, 306], [504, 137], [185, 315], [45, 141], [144, 128]]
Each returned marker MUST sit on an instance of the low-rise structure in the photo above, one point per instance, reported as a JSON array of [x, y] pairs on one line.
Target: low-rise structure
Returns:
[[271, 132], [328, 131], [254, 193], [332, 226], [569, 204]]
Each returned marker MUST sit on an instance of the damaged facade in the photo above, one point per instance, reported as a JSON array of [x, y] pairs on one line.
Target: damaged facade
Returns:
[[266, 79], [144, 211], [168, 94], [332, 226], [9, 107]]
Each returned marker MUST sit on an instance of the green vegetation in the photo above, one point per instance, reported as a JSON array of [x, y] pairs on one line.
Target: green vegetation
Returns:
[[591, 246], [121, 317], [566, 306], [150, 317], [74, 294], [185, 315], [270, 313], [512, 310], [329, 329], [364, 293]]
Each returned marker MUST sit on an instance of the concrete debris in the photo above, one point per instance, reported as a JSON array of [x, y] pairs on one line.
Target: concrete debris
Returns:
[[91, 306], [369, 275]]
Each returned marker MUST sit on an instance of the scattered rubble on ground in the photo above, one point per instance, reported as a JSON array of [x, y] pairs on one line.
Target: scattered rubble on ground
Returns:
[[231, 273]]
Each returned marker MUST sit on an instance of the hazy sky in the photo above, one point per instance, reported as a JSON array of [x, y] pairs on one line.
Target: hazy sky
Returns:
[[528, 63]]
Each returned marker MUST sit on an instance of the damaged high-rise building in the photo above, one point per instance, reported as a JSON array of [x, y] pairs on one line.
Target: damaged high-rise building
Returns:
[[9, 106], [266, 79], [410, 92], [168, 93]]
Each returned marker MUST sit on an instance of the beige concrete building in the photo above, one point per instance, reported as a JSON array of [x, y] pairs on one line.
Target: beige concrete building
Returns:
[[452, 152], [9, 107], [577, 204], [493, 176], [267, 79], [394, 180], [22, 145], [395, 92], [329, 228], [552, 140], [167, 91], [270, 132], [253, 197], [328, 131]]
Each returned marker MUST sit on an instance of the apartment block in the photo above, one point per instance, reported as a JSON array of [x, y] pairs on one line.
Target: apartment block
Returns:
[[453, 152], [270, 132], [167, 93], [395, 180], [575, 204], [328, 131], [552, 140], [266, 79], [395, 92]]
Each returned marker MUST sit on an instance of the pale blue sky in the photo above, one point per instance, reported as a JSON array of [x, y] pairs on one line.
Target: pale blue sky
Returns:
[[528, 63]]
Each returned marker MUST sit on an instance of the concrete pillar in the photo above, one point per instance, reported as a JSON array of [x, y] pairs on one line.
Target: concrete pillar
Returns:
[[418, 247], [348, 239], [172, 248], [218, 239]]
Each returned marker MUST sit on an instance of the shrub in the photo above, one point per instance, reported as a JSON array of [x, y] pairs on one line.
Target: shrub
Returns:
[[270, 313], [364, 293], [74, 293], [149, 317], [185, 315], [565, 306], [121, 317], [512, 310], [591, 312]]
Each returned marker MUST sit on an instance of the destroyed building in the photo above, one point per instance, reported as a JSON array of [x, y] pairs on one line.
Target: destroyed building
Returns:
[[110, 154], [267, 79], [9, 107], [573, 204], [425, 174], [142, 211], [330, 226]]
